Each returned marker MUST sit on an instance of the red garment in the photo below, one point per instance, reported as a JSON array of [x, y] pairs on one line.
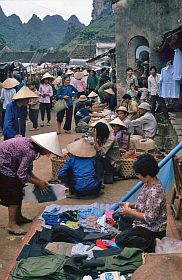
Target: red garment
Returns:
[[102, 244]]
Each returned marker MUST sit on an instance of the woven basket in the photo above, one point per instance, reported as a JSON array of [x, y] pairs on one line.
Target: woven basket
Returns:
[[127, 171], [57, 163]]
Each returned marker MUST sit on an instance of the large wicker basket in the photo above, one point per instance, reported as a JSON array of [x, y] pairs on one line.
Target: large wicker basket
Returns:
[[127, 171], [57, 163]]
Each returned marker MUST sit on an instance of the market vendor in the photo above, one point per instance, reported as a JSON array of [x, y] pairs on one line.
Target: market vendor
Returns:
[[16, 165], [85, 113], [131, 105], [7, 93], [120, 133], [148, 217], [16, 114], [123, 113], [79, 171], [108, 153], [146, 124]]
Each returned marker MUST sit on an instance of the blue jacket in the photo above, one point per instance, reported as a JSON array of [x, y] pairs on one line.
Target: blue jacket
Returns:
[[11, 125], [80, 172], [67, 90]]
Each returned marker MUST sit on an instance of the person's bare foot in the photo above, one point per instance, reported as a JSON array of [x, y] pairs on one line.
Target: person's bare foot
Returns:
[[158, 242], [15, 230]]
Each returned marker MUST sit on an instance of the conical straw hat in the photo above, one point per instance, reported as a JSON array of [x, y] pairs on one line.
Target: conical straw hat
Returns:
[[122, 108], [82, 98], [69, 72], [103, 121], [48, 141], [118, 122], [110, 91], [78, 75], [93, 94], [10, 83], [85, 73], [81, 148], [47, 76], [23, 93], [160, 267]]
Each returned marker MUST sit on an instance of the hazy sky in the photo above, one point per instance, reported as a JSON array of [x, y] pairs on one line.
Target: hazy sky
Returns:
[[26, 8]]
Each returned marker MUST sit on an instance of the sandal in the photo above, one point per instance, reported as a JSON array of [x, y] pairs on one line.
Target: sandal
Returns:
[[17, 233]]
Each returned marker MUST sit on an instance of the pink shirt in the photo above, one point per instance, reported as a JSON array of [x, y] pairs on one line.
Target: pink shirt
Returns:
[[81, 85], [45, 89]]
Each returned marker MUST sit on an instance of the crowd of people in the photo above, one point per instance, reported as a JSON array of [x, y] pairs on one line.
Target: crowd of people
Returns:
[[93, 159]]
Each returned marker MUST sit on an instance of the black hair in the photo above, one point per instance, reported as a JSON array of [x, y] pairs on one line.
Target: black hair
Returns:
[[132, 84], [128, 69], [146, 165], [38, 149], [88, 103], [153, 67], [66, 77], [126, 96], [31, 83], [102, 132], [103, 70]]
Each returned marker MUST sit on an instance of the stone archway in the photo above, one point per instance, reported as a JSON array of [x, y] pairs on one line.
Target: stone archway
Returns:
[[138, 48], [142, 53]]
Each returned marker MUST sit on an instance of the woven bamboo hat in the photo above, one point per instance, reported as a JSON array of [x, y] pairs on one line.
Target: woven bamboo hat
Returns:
[[47, 76], [145, 106], [24, 93], [160, 267], [69, 72], [103, 121], [118, 122], [93, 94], [109, 91], [82, 98], [85, 73], [78, 75], [122, 108], [81, 148], [10, 83], [48, 141]]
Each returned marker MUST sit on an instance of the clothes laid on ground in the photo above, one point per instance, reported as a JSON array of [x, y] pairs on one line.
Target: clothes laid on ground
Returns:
[[35, 250], [50, 196], [85, 213], [45, 267], [169, 87], [126, 262], [69, 254], [59, 248]]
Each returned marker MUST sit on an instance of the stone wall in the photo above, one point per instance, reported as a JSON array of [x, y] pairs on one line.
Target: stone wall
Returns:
[[147, 19]]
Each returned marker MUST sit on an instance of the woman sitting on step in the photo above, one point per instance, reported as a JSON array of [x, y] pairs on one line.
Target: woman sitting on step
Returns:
[[142, 222]]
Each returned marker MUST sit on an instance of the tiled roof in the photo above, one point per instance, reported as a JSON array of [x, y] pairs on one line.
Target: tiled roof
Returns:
[[24, 57], [52, 58], [83, 51]]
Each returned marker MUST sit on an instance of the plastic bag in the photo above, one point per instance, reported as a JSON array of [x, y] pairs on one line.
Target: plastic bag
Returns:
[[169, 245]]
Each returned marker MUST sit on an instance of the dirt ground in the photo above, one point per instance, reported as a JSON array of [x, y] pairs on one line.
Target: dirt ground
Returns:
[[42, 167]]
